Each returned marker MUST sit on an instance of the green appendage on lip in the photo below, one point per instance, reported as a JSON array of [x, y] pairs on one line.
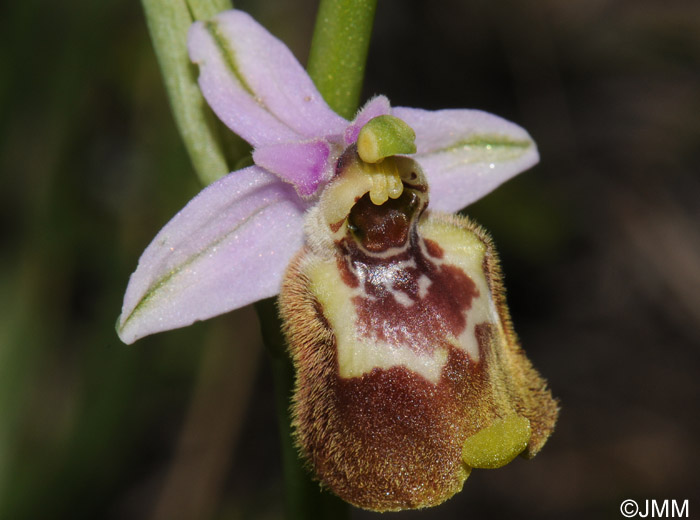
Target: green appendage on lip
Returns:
[[498, 444]]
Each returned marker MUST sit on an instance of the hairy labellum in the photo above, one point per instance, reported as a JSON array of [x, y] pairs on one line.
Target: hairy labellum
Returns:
[[408, 371]]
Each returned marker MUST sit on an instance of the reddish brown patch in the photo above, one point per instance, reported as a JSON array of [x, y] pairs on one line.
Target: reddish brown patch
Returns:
[[336, 225], [379, 228], [433, 248], [397, 438], [429, 320], [346, 275]]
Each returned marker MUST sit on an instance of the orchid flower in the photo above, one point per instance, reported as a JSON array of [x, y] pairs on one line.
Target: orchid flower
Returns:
[[231, 244], [408, 371]]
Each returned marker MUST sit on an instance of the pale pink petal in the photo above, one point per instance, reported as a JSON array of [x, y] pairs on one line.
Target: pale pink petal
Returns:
[[255, 84], [304, 164], [466, 153], [377, 106], [228, 247]]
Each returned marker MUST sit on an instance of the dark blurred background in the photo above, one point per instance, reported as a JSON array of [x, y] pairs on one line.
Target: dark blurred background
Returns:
[[600, 245]]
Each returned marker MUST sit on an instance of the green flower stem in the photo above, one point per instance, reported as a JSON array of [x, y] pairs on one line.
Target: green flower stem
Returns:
[[168, 23], [205, 9], [339, 51]]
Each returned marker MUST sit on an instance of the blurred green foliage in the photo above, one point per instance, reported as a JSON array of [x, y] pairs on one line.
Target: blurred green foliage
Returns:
[[91, 166], [600, 246]]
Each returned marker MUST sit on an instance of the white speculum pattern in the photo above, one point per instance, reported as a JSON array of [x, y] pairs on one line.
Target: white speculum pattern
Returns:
[[359, 354]]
